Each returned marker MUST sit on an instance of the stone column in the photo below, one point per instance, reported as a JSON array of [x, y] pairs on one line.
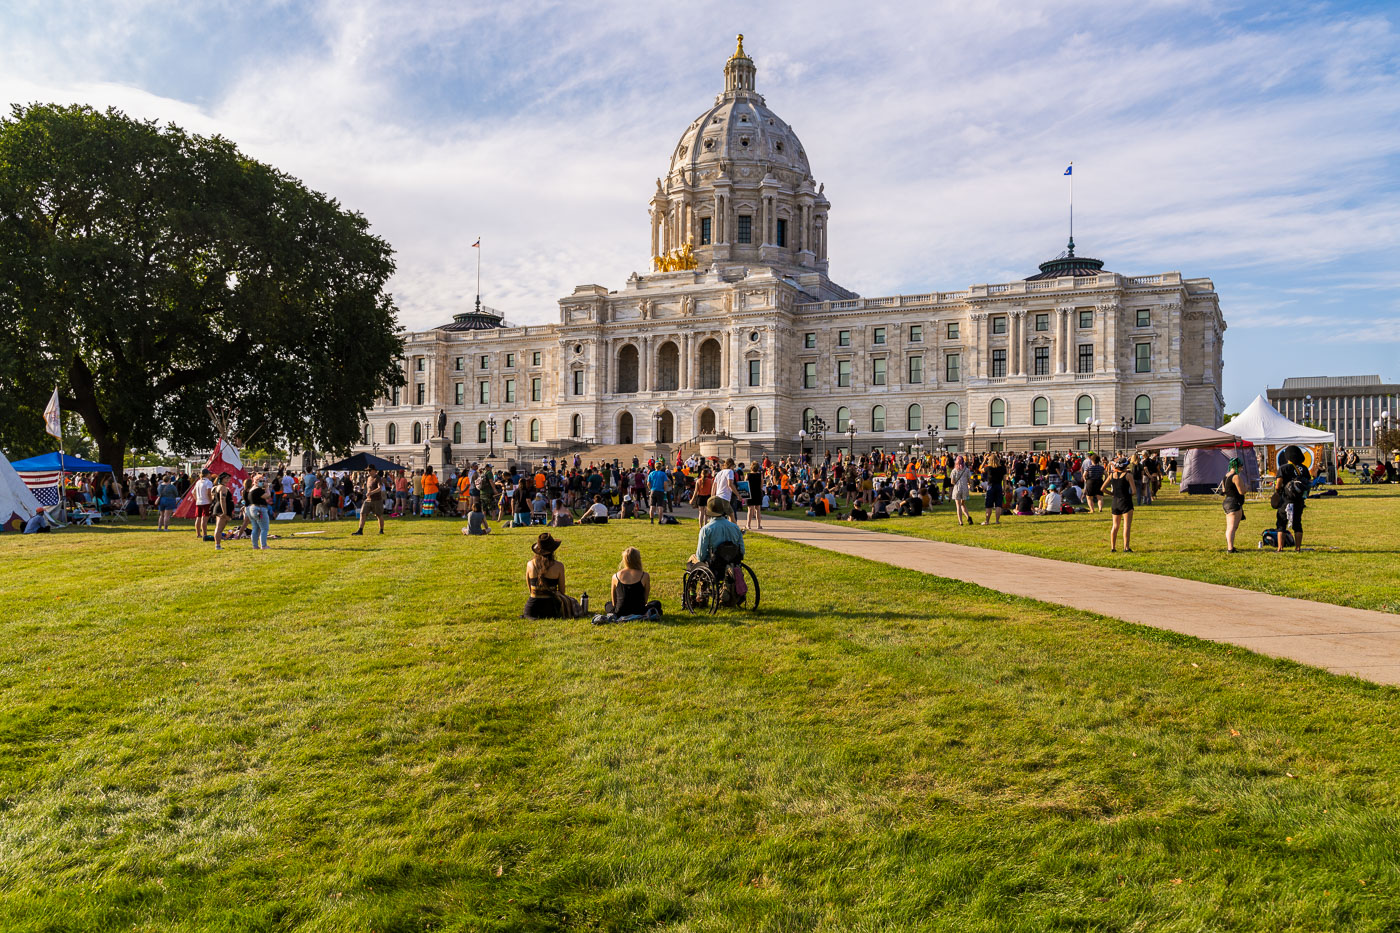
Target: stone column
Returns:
[[683, 365], [644, 364], [1061, 318], [723, 360]]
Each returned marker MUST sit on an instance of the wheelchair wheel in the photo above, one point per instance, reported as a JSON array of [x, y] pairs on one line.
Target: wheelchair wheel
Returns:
[[750, 600], [699, 592]]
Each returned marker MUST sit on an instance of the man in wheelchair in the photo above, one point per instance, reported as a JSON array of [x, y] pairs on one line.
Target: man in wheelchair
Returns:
[[721, 543]]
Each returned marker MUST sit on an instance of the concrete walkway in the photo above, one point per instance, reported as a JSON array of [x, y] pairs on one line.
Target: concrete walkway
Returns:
[[1361, 642]]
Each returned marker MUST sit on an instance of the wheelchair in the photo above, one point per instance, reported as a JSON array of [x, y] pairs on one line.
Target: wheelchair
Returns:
[[710, 586]]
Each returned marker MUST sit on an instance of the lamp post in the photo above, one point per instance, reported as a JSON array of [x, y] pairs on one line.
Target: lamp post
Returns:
[[1381, 425], [801, 441], [818, 433], [491, 427], [1000, 446], [1097, 428], [972, 446], [1125, 424], [1089, 432], [851, 447]]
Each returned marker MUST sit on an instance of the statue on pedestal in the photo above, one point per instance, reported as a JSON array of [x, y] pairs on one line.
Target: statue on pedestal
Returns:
[[442, 423]]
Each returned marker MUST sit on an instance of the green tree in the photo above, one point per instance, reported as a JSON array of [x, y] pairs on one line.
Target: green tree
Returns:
[[153, 275]]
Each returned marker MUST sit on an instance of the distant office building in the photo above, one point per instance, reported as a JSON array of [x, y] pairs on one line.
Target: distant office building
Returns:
[[1348, 406]]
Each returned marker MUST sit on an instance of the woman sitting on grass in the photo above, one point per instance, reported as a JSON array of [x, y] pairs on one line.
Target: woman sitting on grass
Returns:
[[631, 592], [544, 577]]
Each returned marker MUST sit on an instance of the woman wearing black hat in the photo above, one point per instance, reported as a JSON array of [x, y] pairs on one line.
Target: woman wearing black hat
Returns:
[[1122, 488], [544, 576]]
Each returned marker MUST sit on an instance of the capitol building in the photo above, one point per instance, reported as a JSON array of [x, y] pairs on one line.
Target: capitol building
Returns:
[[737, 339]]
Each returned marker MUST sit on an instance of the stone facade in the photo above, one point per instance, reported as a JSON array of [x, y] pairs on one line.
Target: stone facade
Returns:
[[756, 340]]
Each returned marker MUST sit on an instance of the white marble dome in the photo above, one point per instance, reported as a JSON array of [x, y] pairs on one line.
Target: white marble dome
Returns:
[[739, 129]]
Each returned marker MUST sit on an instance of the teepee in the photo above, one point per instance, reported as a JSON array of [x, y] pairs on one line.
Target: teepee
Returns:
[[224, 459], [17, 502]]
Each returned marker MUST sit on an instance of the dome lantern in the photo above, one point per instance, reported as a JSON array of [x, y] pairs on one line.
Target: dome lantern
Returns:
[[739, 71]]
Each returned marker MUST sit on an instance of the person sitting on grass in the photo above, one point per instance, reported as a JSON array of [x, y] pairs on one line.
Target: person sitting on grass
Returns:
[[522, 508], [858, 512], [912, 506], [882, 506], [562, 517], [597, 513], [544, 578], [476, 521], [1052, 503], [631, 592]]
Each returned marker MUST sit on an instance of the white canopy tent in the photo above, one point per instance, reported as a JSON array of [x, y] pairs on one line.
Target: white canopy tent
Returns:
[[1262, 424]]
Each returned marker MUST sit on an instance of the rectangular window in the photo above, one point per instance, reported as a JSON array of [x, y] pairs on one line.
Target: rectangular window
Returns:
[[843, 373], [536, 389], [843, 338], [459, 394], [535, 358], [877, 375], [1040, 445], [755, 372], [998, 363], [396, 394], [999, 324], [578, 383], [510, 390], [953, 331], [781, 235], [510, 361], [483, 393], [809, 341], [916, 333], [457, 364], [916, 370], [1086, 320], [419, 364], [809, 375], [1143, 353], [953, 367], [1042, 361], [879, 335], [745, 228], [1042, 321], [485, 362], [1144, 317], [704, 231], [1086, 357], [420, 392]]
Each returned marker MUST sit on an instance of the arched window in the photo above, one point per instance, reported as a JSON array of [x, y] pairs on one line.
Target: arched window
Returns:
[[1040, 411], [997, 415], [481, 432], [843, 420], [914, 420], [627, 366], [877, 418], [576, 428], [707, 370], [753, 419], [1084, 410], [393, 434], [534, 430], [951, 419], [369, 433], [508, 431], [456, 432], [1142, 410], [668, 367], [417, 433], [807, 415]]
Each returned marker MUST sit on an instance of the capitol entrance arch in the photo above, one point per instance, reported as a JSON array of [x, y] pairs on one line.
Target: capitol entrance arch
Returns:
[[666, 428], [624, 428], [668, 367], [707, 421]]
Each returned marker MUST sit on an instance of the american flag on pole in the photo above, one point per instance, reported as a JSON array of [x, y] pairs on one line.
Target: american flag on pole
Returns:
[[44, 485]]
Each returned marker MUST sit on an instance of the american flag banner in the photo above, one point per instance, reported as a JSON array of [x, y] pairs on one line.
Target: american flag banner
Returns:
[[44, 485]]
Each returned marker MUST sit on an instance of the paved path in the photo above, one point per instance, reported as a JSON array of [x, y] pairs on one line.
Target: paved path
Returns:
[[1341, 639]]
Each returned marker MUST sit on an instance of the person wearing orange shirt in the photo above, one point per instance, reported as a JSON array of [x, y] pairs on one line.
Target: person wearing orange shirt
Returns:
[[430, 489], [464, 492]]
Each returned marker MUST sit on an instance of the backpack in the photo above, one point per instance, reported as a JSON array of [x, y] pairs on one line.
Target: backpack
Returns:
[[1270, 539]]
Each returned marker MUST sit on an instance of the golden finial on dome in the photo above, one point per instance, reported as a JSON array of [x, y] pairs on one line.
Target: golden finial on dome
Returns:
[[739, 52]]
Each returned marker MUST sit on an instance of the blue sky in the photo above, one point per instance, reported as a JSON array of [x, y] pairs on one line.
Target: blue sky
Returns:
[[1257, 145]]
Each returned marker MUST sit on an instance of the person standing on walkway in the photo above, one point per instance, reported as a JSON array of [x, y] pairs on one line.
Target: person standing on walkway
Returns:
[[656, 484], [725, 486], [992, 475], [1234, 502], [1122, 489]]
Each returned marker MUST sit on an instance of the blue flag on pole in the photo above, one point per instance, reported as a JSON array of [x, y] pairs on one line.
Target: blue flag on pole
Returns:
[[1070, 170]]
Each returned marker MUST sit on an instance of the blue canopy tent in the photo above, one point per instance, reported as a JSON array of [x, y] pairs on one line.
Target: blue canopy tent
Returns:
[[55, 462]]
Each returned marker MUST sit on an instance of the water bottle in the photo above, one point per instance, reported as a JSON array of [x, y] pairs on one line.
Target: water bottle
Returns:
[[583, 602]]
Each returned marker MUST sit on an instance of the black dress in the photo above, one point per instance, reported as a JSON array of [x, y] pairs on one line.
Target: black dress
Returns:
[[1122, 494]]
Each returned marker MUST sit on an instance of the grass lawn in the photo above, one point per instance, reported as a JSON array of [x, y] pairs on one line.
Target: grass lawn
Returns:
[[360, 734], [1353, 542]]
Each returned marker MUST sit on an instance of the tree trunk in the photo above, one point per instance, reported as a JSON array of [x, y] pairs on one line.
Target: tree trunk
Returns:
[[111, 450]]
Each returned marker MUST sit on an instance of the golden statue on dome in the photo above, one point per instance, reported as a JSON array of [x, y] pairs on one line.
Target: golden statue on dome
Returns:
[[676, 260]]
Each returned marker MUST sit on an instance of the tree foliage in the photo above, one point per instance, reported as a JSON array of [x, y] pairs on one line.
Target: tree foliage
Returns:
[[152, 274]]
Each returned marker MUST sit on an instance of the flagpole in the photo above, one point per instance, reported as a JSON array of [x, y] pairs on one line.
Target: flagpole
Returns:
[[478, 275], [62, 483], [1071, 205]]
